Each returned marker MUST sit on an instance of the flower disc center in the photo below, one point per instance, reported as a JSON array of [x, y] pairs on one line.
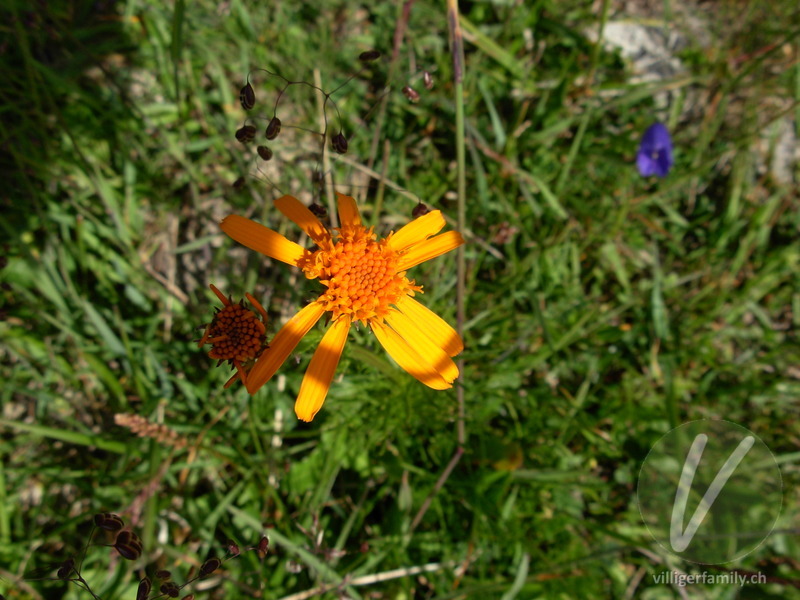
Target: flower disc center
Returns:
[[236, 334], [361, 276]]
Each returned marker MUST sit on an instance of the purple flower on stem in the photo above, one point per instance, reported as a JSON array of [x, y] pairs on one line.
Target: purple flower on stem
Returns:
[[655, 152]]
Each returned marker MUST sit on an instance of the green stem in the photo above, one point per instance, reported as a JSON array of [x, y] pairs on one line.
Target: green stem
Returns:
[[458, 76], [5, 526]]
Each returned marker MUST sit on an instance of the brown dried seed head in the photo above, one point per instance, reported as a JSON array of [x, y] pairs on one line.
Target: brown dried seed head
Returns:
[[128, 552], [419, 210], [369, 56], [427, 79], [170, 589], [144, 428], [264, 152], [208, 567], [128, 545], [411, 93], [233, 548], [124, 537], [246, 134], [318, 210], [66, 569], [163, 574], [339, 143], [247, 97], [144, 589], [263, 545], [108, 521], [273, 128]]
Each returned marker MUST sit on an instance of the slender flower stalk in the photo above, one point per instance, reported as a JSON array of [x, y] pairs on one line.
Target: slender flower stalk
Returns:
[[364, 281], [457, 49]]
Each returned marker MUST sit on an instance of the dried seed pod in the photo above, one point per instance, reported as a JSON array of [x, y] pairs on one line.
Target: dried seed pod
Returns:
[[339, 143], [127, 552], [171, 589], [128, 545], [247, 96], [263, 545], [369, 56], [163, 574], [419, 210], [144, 589], [233, 548], [109, 521], [246, 134], [65, 570], [273, 128], [411, 93], [208, 567], [264, 152], [318, 210], [427, 79]]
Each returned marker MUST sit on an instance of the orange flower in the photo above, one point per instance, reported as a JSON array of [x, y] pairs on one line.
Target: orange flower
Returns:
[[236, 334], [365, 280]]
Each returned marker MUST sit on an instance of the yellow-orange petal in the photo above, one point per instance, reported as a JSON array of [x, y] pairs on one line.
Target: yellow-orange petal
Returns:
[[427, 349], [262, 239], [321, 369], [282, 345], [348, 211], [432, 324], [429, 249], [222, 297], [405, 356], [305, 219], [418, 230]]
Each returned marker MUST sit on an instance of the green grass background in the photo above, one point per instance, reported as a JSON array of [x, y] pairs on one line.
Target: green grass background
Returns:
[[602, 309]]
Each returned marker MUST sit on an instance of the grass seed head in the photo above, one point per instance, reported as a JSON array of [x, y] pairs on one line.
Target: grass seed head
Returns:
[[65, 570], [419, 210], [109, 522], [264, 152], [170, 588], [273, 128], [339, 143], [208, 567], [128, 545], [411, 93], [369, 56], [247, 97], [144, 588]]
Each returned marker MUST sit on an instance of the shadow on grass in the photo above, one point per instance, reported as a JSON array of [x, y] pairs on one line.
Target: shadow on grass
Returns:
[[60, 91]]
